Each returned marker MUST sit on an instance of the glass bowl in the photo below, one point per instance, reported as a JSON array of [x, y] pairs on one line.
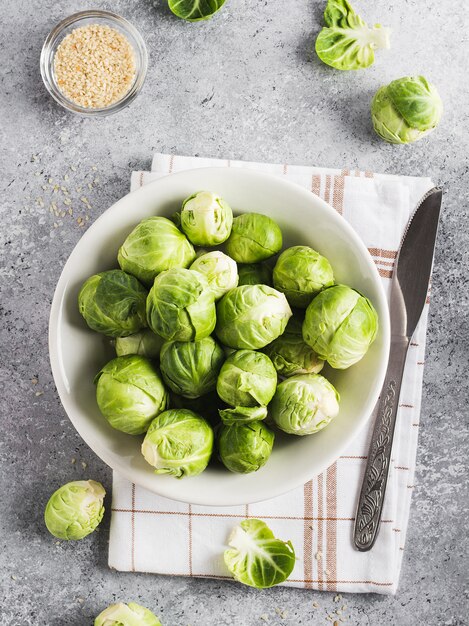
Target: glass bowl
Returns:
[[85, 18]]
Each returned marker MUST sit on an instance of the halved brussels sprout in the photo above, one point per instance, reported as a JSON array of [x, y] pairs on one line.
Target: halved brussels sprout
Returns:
[[304, 404], [251, 316], [130, 393], [290, 354], [75, 509], [254, 274], [406, 110], [145, 343], [340, 325], [195, 10], [256, 558], [247, 379], [181, 306], [113, 303], [190, 368], [220, 271], [206, 219], [154, 245], [130, 614], [300, 273], [179, 443], [254, 237], [245, 447], [243, 414]]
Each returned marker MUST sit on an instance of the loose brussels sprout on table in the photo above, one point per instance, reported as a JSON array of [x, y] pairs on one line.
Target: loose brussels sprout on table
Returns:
[[300, 273], [206, 219], [304, 404], [179, 443], [75, 509], [113, 303], [406, 110], [181, 306], [340, 325], [251, 316], [220, 271], [256, 557], [154, 245], [190, 368], [130, 614], [254, 274], [195, 10], [245, 447], [145, 343], [254, 237], [247, 379], [243, 414], [130, 393]]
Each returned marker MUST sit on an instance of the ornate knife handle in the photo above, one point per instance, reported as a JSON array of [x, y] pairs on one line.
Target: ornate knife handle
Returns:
[[370, 503]]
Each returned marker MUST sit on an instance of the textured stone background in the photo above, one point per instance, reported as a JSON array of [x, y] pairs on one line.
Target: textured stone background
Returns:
[[244, 85]]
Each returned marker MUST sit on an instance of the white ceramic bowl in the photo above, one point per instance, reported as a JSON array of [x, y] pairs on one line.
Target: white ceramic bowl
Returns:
[[77, 353]]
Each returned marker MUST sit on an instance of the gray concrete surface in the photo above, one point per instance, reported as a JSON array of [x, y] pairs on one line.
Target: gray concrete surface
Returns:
[[245, 85]]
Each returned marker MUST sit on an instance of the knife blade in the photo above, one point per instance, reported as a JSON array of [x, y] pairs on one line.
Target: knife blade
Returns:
[[408, 294]]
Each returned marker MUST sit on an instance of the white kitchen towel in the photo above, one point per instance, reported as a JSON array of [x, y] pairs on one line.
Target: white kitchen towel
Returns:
[[154, 534]]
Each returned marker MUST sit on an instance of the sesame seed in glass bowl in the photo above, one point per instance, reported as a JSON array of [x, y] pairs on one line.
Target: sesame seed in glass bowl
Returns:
[[94, 63]]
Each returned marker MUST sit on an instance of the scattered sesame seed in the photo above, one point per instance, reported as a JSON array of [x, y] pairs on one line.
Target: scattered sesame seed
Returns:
[[13, 577], [67, 201], [94, 168], [56, 225], [84, 465], [73, 168], [315, 605], [50, 181], [264, 617], [70, 211], [34, 380], [73, 461], [337, 598], [80, 600], [318, 555], [39, 393], [66, 177]]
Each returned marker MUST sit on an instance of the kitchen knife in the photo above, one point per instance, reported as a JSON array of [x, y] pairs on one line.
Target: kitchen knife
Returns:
[[408, 294]]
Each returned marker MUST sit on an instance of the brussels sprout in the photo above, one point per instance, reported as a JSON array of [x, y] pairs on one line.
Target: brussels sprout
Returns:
[[181, 306], [254, 274], [179, 442], [290, 354], [251, 316], [145, 343], [304, 404], [347, 42], [220, 271], [245, 447], [195, 10], [153, 246], [75, 509], [247, 379], [406, 110], [340, 325], [243, 414], [206, 219], [300, 273], [254, 237], [130, 393], [190, 368], [130, 614], [256, 558], [113, 303]]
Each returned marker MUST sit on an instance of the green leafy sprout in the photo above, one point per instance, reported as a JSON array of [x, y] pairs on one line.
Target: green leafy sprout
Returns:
[[195, 10], [130, 614]]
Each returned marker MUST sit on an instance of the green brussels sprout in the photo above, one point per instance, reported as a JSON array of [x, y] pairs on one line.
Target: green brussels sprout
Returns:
[[251, 316], [245, 447], [340, 325], [247, 379], [181, 306], [130, 393], [75, 509], [406, 110], [220, 271], [195, 10], [179, 443], [256, 558], [243, 414], [347, 42], [300, 273], [206, 219], [290, 354], [254, 237], [154, 245], [113, 303], [190, 368], [130, 614], [304, 404], [145, 343], [254, 274]]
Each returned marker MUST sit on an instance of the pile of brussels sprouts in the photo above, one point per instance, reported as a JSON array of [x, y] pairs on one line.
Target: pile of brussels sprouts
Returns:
[[217, 348]]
